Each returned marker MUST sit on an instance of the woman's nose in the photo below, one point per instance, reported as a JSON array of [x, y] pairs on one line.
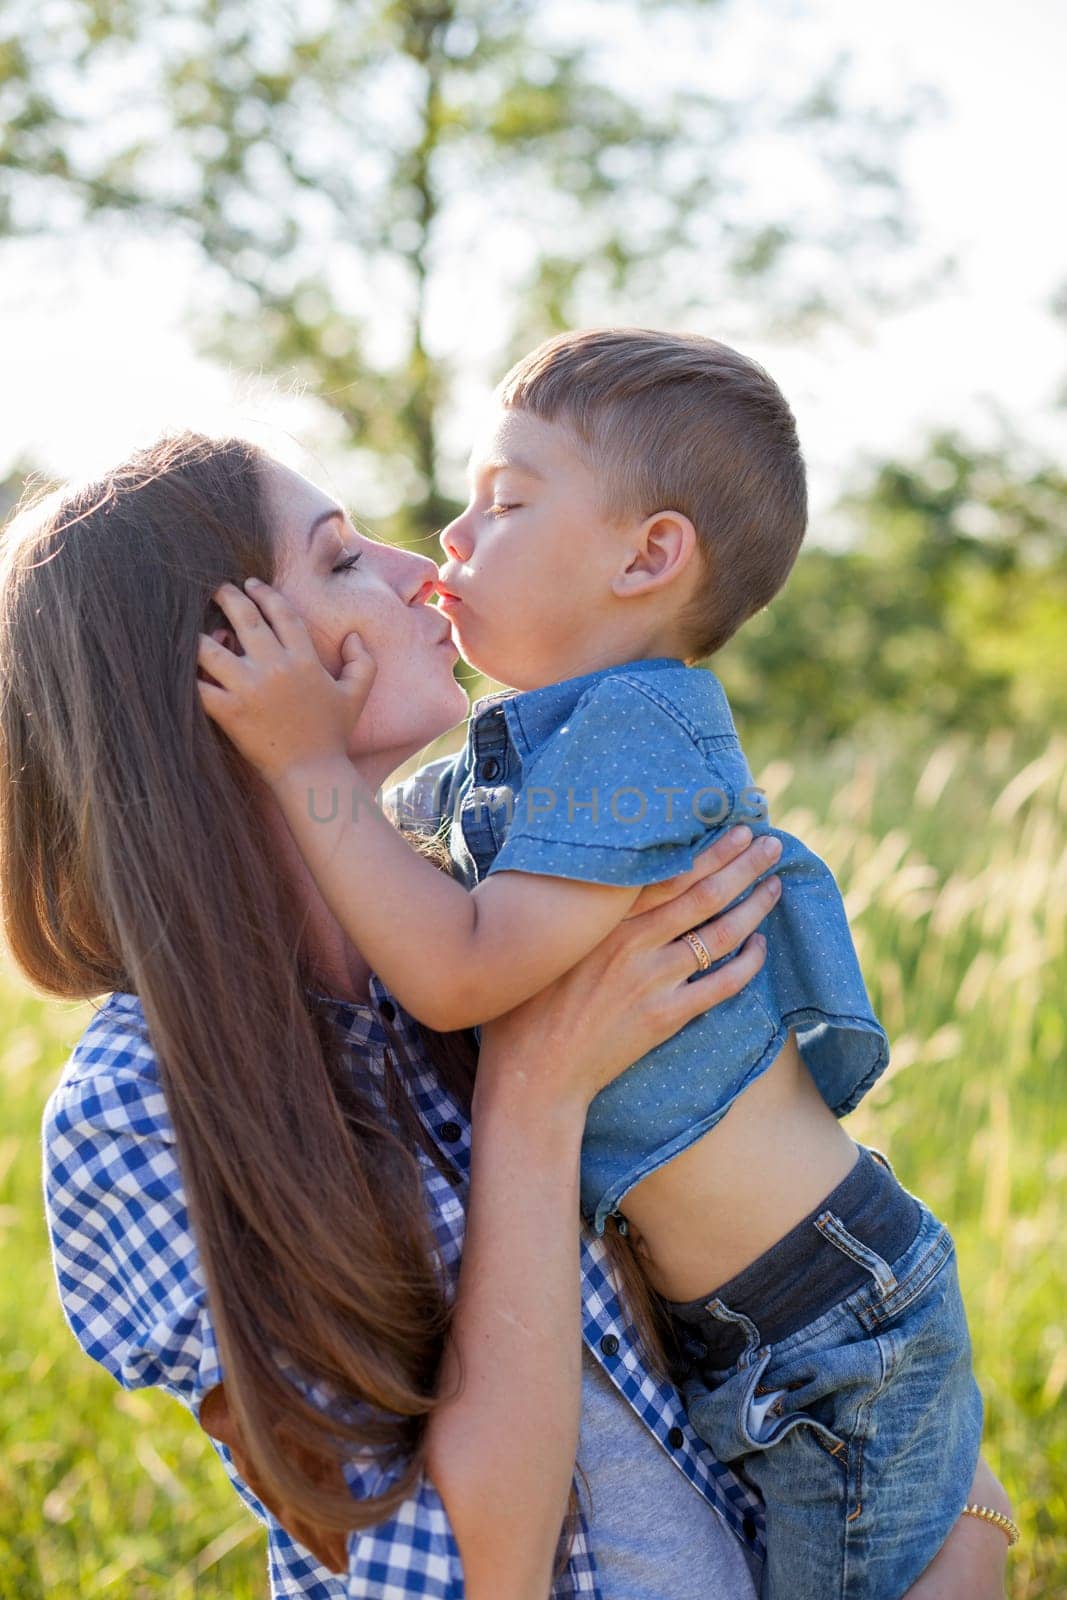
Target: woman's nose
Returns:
[[417, 577]]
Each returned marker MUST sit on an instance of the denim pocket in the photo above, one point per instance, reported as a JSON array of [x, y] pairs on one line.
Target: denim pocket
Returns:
[[824, 1391], [750, 1410], [776, 1411]]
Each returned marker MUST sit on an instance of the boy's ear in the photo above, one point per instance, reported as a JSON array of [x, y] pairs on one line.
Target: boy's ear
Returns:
[[660, 552]]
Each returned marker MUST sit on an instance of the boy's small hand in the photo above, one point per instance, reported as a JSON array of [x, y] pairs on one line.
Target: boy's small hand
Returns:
[[277, 702]]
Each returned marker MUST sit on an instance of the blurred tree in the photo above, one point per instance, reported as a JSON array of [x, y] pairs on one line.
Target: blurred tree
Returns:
[[949, 610], [346, 162]]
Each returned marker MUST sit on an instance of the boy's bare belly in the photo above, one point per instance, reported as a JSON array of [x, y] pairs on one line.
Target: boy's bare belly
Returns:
[[719, 1205]]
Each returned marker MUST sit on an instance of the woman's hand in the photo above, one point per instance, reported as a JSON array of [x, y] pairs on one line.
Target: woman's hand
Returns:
[[277, 702], [502, 1454], [970, 1564], [632, 992]]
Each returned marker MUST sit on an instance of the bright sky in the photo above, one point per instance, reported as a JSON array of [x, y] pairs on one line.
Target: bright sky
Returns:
[[97, 357]]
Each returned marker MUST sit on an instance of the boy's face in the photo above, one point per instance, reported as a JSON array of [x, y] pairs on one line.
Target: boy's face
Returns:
[[527, 579]]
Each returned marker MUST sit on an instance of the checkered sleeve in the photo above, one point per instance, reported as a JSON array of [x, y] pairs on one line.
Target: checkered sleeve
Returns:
[[122, 1248]]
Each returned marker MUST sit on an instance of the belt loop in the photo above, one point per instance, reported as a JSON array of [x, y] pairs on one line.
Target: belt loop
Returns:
[[742, 1324], [834, 1231]]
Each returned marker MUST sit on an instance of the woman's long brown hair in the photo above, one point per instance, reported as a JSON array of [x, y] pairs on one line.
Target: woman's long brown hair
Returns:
[[133, 856]]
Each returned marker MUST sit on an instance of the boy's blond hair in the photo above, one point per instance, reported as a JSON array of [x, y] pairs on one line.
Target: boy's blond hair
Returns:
[[676, 422]]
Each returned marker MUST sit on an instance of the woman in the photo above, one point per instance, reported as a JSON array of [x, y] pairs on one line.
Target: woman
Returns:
[[258, 1170]]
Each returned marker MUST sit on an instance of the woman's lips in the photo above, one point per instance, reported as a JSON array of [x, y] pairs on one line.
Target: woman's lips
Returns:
[[447, 602]]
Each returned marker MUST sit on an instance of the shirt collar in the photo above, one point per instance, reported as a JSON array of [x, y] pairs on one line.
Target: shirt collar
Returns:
[[532, 715], [364, 1024]]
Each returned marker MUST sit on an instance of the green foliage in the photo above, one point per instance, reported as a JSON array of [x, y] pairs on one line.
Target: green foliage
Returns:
[[22, 477], [333, 158], [101, 1493], [954, 864], [948, 608]]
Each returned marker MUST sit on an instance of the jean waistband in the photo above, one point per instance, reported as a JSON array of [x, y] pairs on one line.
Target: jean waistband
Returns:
[[804, 1274]]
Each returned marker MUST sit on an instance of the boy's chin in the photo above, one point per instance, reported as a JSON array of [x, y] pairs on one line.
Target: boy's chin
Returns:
[[490, 663]]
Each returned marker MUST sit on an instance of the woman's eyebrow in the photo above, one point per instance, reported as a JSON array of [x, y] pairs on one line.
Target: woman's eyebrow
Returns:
[[323, 516]]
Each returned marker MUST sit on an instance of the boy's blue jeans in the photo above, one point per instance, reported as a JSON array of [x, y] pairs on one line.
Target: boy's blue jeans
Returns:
[[837, 1378]]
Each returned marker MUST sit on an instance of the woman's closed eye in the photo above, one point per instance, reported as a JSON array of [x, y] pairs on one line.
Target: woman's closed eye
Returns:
[[349, 562], [498, 508]]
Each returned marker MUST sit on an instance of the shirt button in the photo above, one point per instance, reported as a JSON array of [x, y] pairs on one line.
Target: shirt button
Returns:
[[489, 769], [676, 1438], [748, 1528], [388, 1010], [450, 1131], [609, 1344]]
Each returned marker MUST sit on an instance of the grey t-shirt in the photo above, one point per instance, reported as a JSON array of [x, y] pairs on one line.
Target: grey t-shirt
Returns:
[[654, 1536]]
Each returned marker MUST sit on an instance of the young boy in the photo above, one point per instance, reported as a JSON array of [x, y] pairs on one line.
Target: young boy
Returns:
[[636, 499]]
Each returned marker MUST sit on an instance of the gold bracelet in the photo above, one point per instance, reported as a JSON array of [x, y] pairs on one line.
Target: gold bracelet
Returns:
[[997, 1518]]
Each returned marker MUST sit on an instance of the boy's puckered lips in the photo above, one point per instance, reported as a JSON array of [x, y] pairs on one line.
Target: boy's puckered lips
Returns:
[[447, 598]]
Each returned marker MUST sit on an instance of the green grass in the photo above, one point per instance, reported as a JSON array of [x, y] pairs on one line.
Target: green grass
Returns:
[[101, 1492], [955, 869]]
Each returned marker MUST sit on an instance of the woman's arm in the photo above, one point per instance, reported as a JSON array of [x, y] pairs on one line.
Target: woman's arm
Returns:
[[502, 1442], [971, 1563]]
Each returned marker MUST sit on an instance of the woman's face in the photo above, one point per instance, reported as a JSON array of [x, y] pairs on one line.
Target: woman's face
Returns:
[[382, 595]]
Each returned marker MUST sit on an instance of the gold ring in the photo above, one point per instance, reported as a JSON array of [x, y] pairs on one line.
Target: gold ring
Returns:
[[699, 949]]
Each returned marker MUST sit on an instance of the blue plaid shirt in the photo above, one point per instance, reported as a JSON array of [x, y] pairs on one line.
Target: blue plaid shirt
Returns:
[[131, 1286]]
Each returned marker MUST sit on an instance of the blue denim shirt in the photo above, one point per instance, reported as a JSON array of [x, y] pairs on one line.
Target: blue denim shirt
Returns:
[[623, 776]]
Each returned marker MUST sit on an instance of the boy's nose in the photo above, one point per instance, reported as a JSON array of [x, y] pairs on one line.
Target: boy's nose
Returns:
[[455, 540]]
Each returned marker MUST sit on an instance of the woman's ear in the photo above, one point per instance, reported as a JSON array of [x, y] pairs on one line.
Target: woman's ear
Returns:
[[222, 631], [661, 551], [225, 636], [217, 626]]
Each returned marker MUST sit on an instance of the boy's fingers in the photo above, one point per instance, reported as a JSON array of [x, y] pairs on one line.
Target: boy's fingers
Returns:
[[212, 698], [222, 664], [355, 655], [358, 671], [284, 618], [249, 623]]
